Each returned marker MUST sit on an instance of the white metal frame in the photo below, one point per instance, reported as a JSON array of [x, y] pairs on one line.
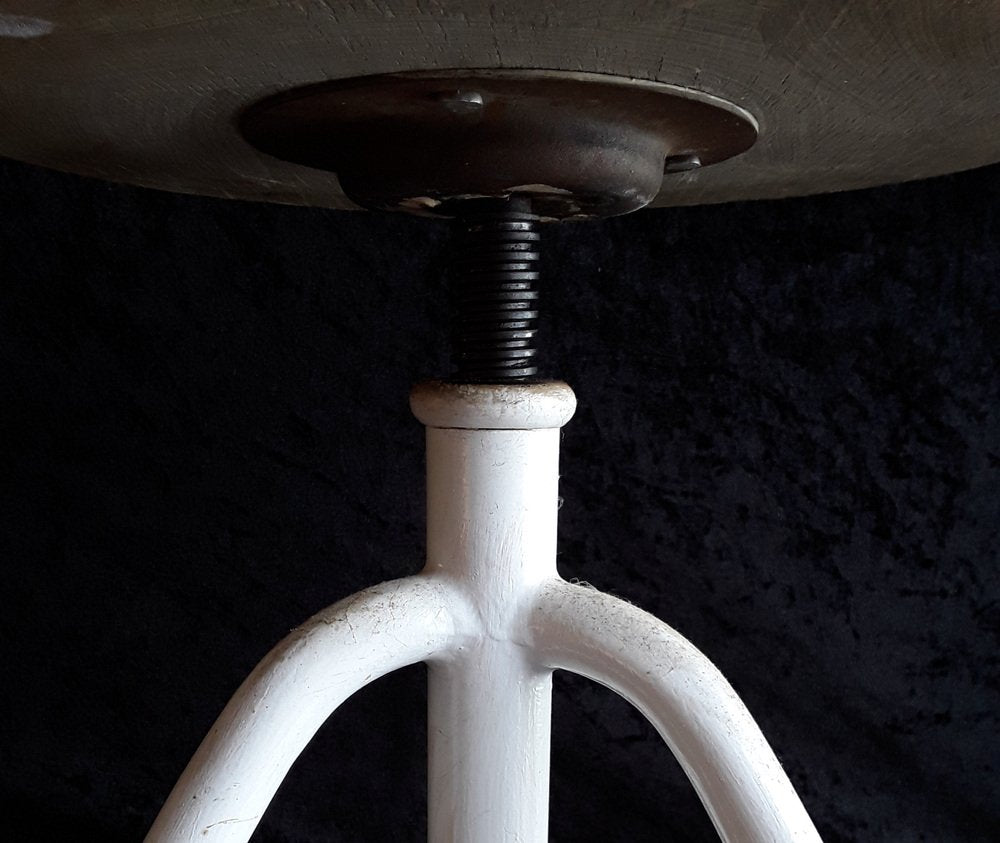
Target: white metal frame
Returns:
[[492, 619]]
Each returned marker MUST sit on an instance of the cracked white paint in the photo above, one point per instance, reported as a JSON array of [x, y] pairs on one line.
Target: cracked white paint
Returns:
[[493, 619]]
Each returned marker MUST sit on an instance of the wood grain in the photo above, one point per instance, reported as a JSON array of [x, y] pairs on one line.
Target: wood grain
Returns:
[[848, 94]]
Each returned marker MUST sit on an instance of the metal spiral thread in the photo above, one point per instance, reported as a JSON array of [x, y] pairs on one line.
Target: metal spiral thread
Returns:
[[494, 277]]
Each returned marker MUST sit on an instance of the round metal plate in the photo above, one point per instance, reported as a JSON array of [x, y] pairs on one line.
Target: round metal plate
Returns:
[[848, 93], [580, 145]]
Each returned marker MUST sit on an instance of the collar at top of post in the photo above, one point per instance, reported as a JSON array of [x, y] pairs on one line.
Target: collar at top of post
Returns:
[[481, 406]]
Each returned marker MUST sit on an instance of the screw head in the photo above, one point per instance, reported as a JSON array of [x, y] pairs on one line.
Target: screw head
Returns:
[[681, 163], [461, 102]]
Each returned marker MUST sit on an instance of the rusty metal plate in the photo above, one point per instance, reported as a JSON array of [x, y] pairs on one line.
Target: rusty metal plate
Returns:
[[578, 144]]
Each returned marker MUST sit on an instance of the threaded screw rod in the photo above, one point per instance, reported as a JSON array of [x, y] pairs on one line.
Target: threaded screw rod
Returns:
[[494, 277]]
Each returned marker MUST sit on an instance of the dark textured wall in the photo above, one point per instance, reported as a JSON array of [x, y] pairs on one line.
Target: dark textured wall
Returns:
[[787, 446]]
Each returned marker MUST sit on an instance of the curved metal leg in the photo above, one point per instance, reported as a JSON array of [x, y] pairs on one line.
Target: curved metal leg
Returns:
[[740, 781], [233, 776]]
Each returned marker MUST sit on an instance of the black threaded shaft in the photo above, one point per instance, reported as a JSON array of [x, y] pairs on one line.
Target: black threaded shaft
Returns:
[[494, 278]]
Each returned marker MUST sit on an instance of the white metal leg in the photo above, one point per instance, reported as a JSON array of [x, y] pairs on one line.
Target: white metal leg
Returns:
[[695, 710], [233, 776], [492, 618]]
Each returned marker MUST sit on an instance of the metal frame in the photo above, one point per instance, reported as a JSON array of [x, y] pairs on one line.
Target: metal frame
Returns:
[[580, 145], [492, 619]]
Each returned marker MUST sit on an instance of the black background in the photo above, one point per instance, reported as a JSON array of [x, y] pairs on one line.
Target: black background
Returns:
[[787, 446]]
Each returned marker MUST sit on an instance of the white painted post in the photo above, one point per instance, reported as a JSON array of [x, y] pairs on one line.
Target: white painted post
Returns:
[[492, 501]]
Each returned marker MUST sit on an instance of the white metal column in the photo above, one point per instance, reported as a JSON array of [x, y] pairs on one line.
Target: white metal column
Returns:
[[492, 501]]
